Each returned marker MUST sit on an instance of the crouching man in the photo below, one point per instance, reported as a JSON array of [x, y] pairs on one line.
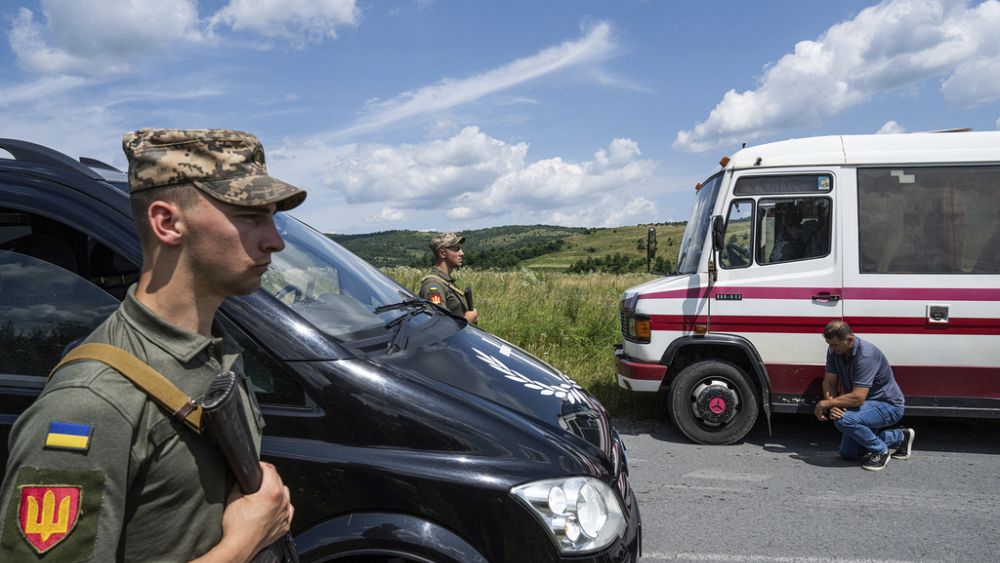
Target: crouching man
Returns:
[[871, 404]]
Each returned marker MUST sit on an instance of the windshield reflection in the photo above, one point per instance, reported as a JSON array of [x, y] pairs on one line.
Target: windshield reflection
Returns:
[[327, 285]]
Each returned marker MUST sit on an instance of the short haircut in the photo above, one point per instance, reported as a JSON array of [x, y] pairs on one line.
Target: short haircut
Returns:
[[182, 195], [837, 329]]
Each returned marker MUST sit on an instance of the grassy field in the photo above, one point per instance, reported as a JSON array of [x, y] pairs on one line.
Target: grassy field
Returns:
[[598, 242], [389, 249], [568, 320]]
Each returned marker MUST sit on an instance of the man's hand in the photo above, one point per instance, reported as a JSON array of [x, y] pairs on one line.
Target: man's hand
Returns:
[[837, 413], [822, 409], [252, 522], [472, 316]]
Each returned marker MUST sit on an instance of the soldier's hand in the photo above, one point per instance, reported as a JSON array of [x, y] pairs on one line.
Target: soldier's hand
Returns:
[[262, 518], [472, 316]]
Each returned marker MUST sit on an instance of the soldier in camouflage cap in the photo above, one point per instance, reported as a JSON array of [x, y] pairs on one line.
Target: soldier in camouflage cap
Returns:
[[131, 483], [223, 163], [438, 286]]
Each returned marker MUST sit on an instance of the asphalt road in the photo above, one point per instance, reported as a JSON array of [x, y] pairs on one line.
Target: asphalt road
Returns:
[[787, 496]]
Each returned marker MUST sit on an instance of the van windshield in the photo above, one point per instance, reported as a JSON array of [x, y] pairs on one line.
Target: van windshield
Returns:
[[697, 228], [328, 285]]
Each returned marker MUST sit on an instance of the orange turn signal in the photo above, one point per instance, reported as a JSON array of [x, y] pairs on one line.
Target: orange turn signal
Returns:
[[724, 161], [642, 330], [701, 329]]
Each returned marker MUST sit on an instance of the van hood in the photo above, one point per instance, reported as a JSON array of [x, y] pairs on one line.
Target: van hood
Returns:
[[495, 370]]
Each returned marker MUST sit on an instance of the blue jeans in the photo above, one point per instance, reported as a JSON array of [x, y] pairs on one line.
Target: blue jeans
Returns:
[[863, 429]]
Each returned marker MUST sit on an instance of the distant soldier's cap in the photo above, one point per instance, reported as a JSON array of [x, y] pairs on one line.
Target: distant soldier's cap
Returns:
[[225, 164], [447, 240]]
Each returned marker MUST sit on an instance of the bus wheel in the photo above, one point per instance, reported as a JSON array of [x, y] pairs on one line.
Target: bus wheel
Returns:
[[713, 402]]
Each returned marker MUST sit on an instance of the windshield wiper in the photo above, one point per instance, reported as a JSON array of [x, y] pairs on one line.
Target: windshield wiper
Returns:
[[411, 303], [415, 307]]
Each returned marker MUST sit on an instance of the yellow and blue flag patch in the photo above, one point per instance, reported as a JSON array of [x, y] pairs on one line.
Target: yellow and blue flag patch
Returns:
[[68, 436]]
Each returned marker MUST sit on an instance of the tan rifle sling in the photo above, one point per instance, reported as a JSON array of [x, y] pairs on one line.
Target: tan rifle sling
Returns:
[[147, 379]]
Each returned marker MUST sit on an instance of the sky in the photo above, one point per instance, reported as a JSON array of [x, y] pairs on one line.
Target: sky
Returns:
[[451, 115]]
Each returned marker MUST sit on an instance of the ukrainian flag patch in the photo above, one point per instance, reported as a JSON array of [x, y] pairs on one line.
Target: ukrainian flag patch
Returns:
[[68, 436]]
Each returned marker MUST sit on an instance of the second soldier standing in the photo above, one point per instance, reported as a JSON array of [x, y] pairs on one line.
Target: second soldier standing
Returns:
[[438, 286]]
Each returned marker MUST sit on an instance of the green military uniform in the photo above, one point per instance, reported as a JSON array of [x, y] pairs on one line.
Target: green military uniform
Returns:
[[98, 471], [439, 288]]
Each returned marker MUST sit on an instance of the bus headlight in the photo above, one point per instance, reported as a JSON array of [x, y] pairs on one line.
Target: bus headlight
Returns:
[[581, 513]]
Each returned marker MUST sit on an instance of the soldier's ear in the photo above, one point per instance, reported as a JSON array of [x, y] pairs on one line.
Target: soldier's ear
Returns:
[[165, 222]]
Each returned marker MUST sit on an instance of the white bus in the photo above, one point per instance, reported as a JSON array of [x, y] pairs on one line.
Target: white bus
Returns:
[[899, 235]]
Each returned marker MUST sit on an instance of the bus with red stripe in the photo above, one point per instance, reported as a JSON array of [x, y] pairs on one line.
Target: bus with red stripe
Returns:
[[897, 234]]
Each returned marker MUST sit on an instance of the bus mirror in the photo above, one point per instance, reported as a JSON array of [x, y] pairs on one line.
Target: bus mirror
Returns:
[[718, 232]]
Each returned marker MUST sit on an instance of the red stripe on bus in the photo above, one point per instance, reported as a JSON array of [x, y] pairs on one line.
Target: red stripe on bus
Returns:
[[922, 293], [861, 293], [814, 325], [915, 381]]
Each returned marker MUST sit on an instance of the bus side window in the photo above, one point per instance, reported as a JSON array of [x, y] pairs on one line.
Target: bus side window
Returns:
[[793, 229], [737, 251], [929, 220]]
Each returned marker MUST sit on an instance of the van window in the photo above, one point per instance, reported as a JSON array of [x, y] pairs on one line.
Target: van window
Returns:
[[790, 229], [929, 220], [791, 184], [737, 252], [270, 381]]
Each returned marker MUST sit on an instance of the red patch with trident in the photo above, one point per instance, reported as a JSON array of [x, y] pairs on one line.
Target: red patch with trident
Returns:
[[47, 515]]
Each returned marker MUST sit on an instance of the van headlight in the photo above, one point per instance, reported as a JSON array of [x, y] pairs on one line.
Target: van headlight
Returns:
[[581, 513]]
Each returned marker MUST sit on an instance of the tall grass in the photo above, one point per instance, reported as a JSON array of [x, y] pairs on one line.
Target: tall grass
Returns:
[[569, 320]]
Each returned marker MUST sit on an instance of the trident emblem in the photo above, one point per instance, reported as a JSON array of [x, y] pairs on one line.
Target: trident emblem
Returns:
[[48, 514]]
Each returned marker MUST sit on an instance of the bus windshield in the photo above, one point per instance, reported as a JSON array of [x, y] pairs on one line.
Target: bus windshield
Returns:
[[697, 228]]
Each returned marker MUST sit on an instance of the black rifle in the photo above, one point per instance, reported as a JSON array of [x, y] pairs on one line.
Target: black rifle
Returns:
[[224, 419], [468, 298]]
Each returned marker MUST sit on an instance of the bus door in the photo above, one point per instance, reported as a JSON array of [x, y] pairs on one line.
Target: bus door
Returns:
[[779, 279]]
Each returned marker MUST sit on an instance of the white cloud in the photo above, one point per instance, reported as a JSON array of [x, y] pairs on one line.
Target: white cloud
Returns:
[[41, 89], [420, 175], [387, 215], [977, 82], [554, 182], [298, 21], [468, 176], [896, 44], [108, 37], [595, 45], [609, 211], [99, 37], [456, 213], [891, 127]]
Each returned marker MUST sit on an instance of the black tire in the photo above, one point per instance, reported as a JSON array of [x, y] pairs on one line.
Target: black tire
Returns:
[[725, 377]]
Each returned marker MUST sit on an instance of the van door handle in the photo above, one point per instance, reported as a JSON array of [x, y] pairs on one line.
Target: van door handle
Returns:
[[826, 297]]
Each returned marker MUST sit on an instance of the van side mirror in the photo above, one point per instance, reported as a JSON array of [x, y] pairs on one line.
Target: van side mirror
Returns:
[[718, 232]]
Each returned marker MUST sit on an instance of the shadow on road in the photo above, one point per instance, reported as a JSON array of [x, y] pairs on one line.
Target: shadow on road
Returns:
[[804, 438]]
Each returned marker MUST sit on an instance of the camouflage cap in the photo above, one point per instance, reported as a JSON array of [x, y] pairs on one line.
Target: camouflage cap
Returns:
[[223, 163], [447, 240]]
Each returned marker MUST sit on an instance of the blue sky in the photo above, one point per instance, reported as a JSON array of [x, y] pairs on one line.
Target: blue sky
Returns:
[[462, 114]]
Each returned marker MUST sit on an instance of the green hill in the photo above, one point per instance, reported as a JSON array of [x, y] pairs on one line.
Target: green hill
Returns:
[[541, 247]]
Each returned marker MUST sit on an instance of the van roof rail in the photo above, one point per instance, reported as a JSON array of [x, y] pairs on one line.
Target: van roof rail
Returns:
[[954, 130], [30, 152]]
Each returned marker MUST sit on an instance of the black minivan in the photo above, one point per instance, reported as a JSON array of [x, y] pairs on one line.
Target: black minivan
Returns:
[[404, 433]]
